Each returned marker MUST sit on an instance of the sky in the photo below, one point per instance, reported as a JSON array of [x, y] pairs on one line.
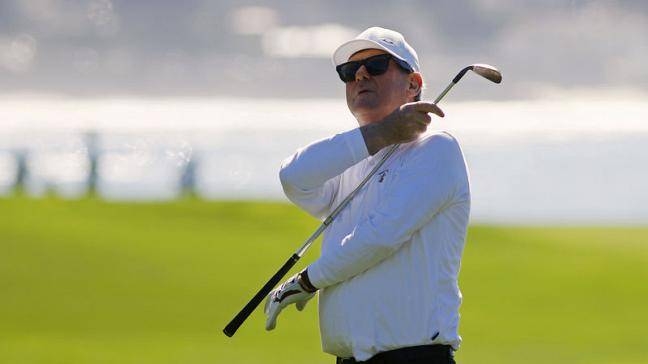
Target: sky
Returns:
[[270, 49]]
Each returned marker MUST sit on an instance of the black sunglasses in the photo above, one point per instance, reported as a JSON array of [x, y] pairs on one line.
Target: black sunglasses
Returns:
[[375, 65]]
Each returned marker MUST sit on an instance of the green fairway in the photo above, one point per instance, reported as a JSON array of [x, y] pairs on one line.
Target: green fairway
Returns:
[[95, 282]]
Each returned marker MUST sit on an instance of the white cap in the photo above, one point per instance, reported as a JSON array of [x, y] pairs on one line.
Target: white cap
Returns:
[[378, 38]]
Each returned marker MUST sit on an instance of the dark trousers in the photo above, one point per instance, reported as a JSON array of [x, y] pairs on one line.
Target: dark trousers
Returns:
[[426, 354]]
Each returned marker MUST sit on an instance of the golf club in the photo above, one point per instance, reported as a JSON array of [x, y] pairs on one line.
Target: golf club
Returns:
[[484, 70]]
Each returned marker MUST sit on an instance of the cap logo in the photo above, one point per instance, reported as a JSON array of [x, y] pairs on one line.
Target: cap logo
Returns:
[[387, 40]]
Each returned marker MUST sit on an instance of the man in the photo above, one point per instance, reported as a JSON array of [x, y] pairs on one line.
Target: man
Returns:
[[387, 274]]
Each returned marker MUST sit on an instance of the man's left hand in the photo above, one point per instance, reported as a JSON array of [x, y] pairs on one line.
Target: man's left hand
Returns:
[[297, 290]]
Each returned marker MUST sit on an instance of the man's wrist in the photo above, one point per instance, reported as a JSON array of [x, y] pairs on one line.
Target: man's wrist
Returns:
[[305, 282], [374, 137]]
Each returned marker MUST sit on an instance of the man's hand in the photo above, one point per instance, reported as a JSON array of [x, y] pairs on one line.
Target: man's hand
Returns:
[[297, 290], [401, 126]]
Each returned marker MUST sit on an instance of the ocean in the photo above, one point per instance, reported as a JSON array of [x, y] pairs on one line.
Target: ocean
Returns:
[[568, 161]]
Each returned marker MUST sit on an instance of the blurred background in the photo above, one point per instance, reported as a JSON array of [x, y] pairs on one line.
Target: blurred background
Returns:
[[140, 143], [145, 98]]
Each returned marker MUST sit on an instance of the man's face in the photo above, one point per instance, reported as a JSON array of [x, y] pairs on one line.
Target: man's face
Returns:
[[371, 98]]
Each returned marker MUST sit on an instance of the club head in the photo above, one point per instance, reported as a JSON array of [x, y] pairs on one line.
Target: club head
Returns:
[[487, 71]]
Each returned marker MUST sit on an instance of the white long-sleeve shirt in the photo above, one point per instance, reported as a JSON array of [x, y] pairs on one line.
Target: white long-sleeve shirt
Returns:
[[390, 261]]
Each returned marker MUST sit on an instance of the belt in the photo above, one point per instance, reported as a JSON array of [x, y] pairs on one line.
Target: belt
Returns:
[[403, 355]]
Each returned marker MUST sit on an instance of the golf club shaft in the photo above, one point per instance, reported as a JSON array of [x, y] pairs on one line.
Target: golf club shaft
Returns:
[[238, 320], [300, 252]]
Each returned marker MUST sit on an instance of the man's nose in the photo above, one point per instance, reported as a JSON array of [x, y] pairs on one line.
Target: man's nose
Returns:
[[361, 73]]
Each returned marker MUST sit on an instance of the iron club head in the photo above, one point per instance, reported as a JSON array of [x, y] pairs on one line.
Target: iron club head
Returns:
[[488, 72], [485, 70]]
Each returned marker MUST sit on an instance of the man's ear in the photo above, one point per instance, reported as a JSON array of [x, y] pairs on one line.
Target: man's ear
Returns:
[[415, 84]]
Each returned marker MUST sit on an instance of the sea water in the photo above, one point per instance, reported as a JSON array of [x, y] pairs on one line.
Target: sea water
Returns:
[[555, 161]]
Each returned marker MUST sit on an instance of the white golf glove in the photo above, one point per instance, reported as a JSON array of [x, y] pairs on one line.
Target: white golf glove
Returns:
[[297, 290]]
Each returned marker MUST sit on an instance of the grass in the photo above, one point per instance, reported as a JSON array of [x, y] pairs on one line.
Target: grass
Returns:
[[94, 282]]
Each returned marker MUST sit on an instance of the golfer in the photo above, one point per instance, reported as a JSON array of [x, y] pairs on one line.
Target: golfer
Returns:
[[387, 273]]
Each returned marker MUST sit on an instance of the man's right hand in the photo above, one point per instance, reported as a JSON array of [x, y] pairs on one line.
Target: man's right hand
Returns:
[[403, 125]]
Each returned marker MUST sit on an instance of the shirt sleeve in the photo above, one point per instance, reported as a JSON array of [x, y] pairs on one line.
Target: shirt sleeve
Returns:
[[310, 177], [433, 178]]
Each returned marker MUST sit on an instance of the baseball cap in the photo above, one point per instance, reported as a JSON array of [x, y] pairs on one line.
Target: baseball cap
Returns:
[[388, 40]]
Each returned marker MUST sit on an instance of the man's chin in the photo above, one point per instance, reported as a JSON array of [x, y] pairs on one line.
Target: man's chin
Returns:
[[364, 105], [367, 114]]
